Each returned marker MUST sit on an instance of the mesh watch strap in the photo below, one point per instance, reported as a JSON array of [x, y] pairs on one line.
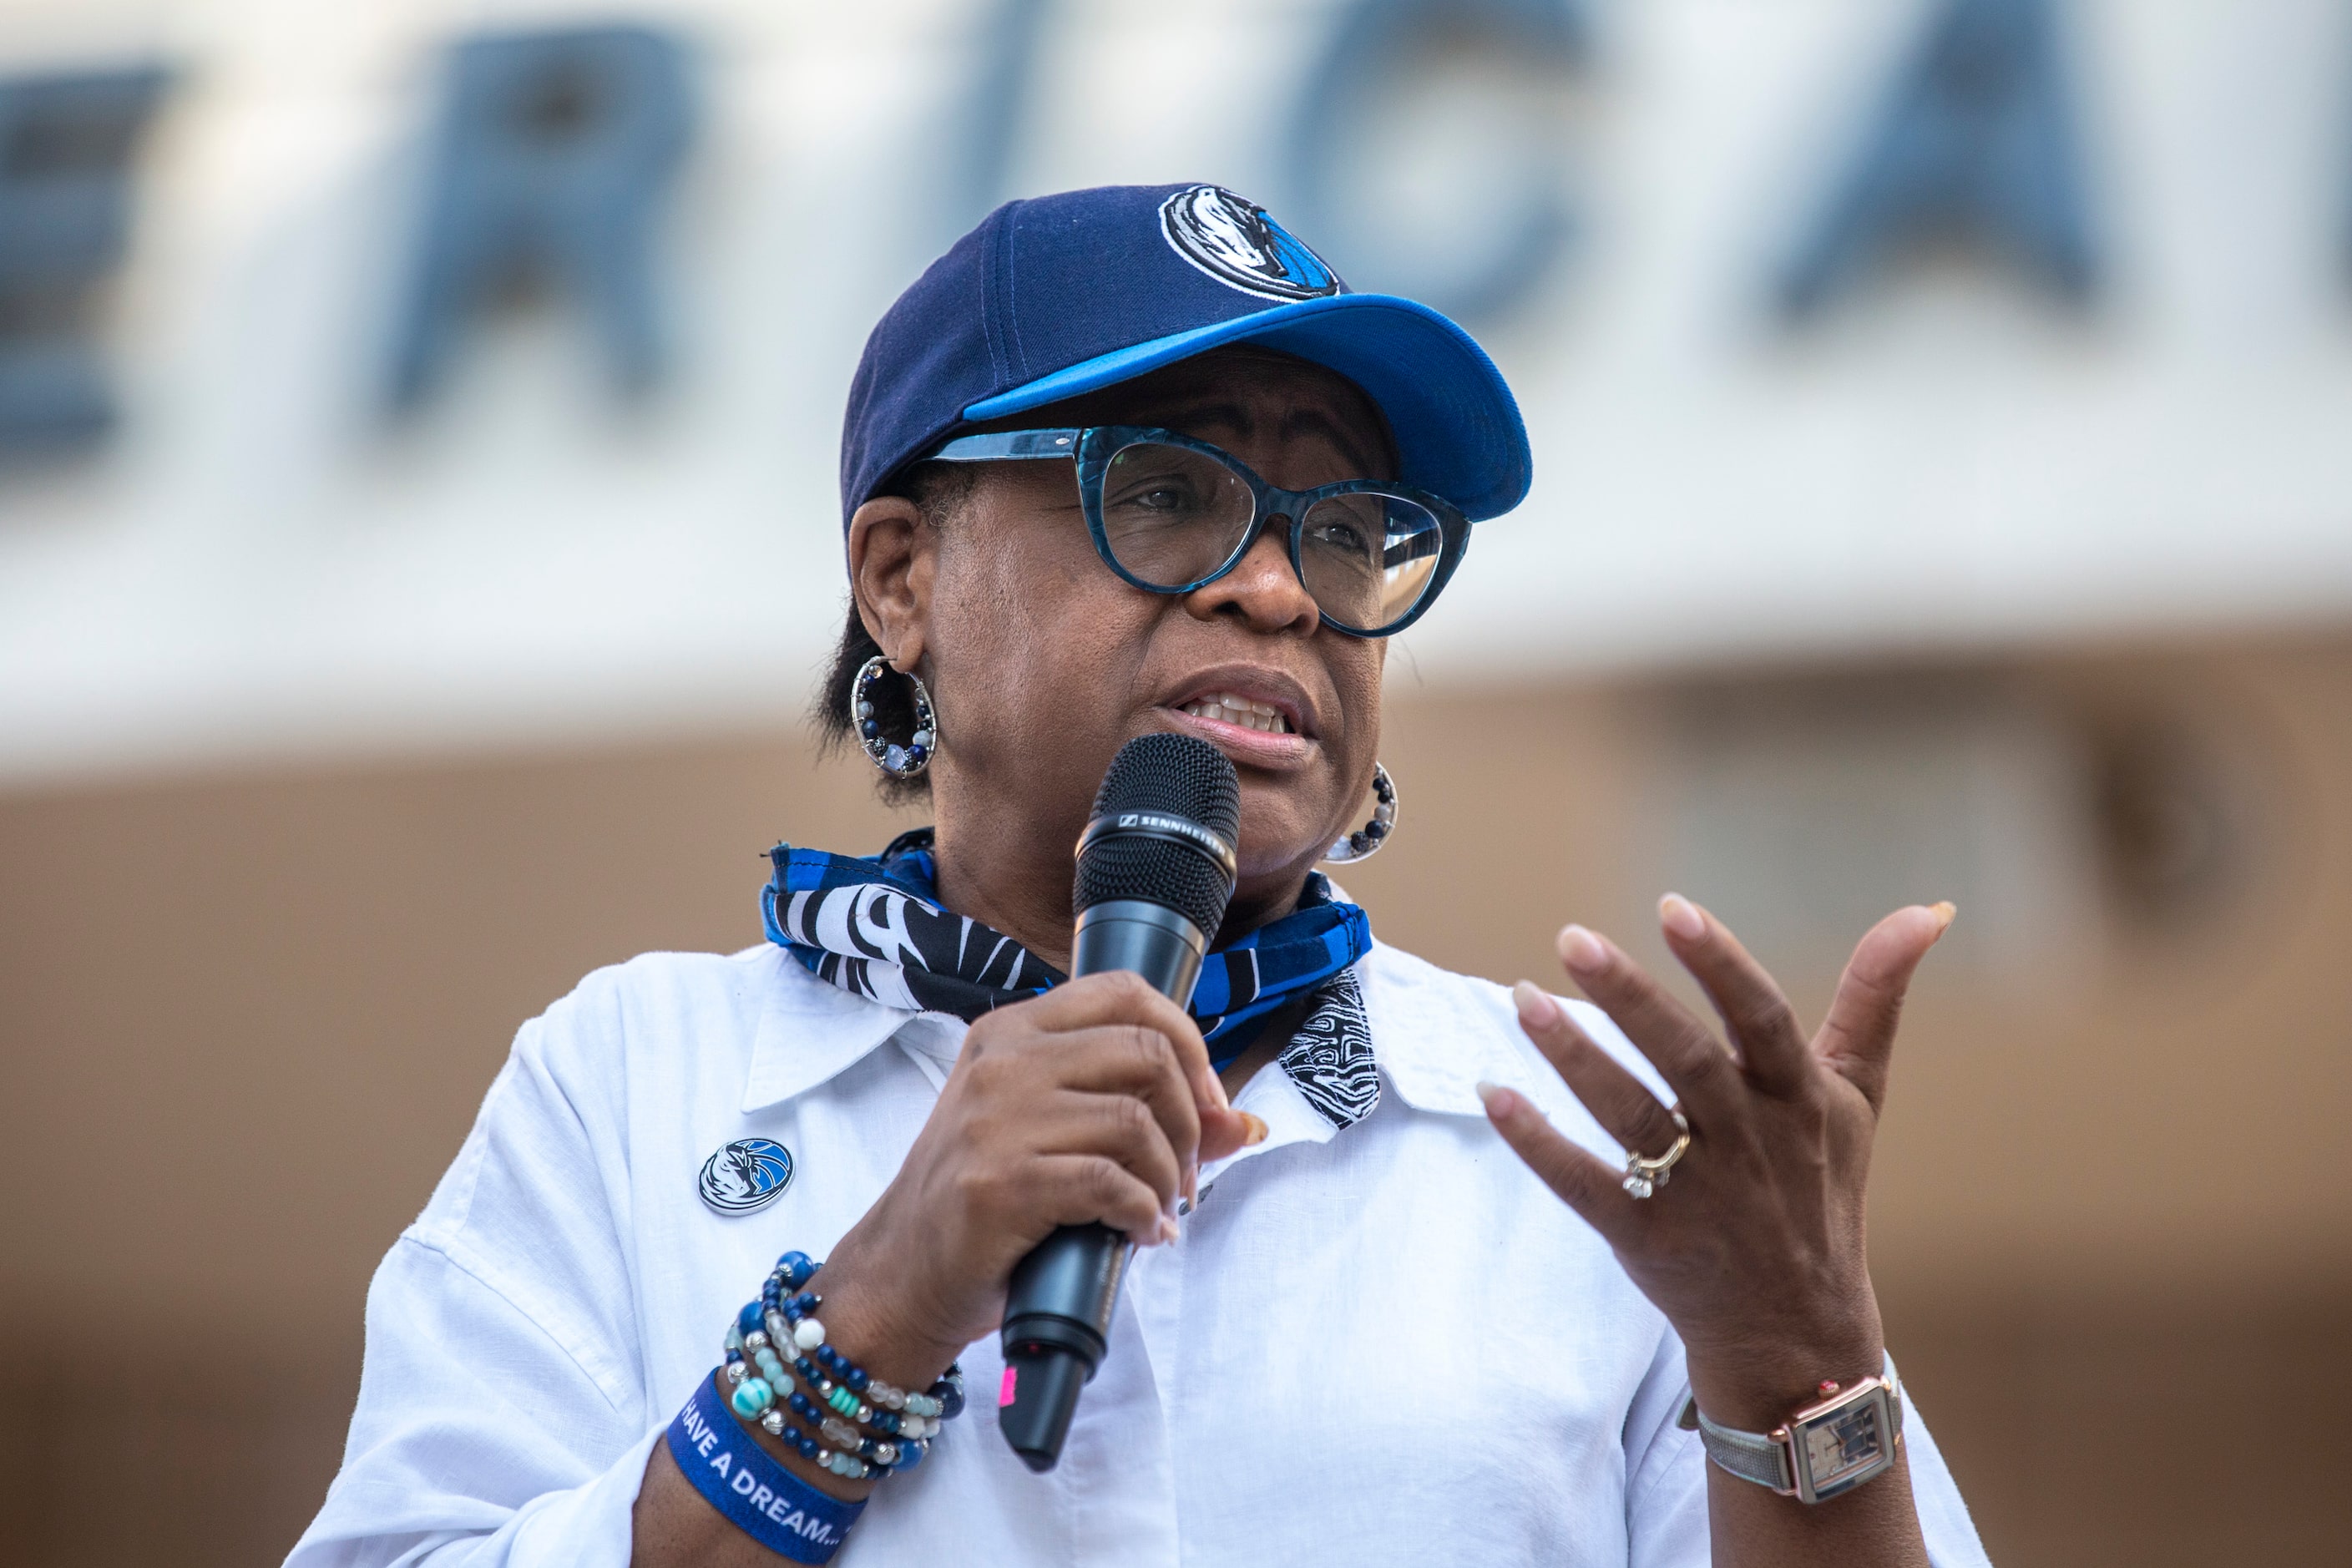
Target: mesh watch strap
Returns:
[[1747, 1455], [1752, 1455]]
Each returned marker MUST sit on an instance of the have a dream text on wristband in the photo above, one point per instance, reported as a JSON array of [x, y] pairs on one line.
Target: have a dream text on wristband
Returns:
[[742, 1481]]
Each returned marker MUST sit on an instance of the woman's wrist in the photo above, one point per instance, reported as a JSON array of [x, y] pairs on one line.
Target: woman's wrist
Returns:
[[1755, 1383], [868, 1319]]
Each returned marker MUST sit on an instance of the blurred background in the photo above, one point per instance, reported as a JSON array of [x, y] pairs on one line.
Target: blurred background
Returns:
[[418, 542]]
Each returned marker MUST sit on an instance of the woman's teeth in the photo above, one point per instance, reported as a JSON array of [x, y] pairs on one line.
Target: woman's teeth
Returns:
[[1227, 709]]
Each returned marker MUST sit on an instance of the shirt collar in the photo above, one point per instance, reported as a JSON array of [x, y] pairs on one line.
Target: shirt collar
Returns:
[[809, 1032], [1436, 1035], [1439, 1035]]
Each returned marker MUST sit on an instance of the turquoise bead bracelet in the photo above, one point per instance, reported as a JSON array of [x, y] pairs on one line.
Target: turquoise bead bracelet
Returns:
[[763, 1391]]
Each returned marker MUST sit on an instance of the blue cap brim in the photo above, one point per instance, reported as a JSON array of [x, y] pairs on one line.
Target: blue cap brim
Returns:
[[1457, 426]]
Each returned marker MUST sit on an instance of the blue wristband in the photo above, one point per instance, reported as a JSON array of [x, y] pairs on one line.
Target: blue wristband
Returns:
[[759, 1496]]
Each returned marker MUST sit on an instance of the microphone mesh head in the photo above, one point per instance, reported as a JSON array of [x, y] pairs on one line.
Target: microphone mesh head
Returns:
[[1179, 776]]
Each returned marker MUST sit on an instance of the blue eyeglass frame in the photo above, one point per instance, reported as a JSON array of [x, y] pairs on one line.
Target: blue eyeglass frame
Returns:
[[1094, 446]]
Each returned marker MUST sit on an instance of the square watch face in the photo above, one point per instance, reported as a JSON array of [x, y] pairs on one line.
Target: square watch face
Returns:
[[1844, 1447]]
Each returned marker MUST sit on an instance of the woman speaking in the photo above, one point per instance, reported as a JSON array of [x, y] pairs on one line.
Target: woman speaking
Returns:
[[1427, 1270]]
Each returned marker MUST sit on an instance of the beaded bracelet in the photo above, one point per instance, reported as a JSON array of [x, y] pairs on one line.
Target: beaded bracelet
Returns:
[[795, 1269], [766, 1395], [905, 1421], [884, 1455], [769, 1393], [841, 1381]]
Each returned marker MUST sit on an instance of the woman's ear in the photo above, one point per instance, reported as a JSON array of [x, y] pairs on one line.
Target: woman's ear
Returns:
[[891, 560]]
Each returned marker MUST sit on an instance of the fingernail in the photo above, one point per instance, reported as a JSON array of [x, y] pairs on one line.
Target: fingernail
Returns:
[[1537, 1011], [1945, 913], [1168, 1231], [1581, 950], [1681, 918], [1499, 1101], [1253, 1130]]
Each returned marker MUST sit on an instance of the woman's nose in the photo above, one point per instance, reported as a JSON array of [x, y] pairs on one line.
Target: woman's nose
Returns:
[[1261, 588]]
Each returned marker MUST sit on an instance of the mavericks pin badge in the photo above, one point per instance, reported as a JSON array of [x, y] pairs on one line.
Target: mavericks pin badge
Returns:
[[748, 1173]]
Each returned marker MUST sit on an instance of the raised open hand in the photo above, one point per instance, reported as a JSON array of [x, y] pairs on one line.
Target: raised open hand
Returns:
[[1753, 1244]]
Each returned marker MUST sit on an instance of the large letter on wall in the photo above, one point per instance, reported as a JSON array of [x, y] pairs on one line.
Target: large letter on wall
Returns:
[[1357, 123], [552, 155], [1976, 139], [66, 147]]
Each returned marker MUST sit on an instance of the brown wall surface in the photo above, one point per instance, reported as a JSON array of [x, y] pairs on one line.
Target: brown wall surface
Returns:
[[245, 1021]]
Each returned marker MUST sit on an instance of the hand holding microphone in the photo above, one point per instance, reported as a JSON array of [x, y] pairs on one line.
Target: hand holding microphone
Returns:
[[1156, 869], [1090, 1106]]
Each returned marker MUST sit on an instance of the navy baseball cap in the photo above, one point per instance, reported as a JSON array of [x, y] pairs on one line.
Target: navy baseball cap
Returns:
[[1059, 295]]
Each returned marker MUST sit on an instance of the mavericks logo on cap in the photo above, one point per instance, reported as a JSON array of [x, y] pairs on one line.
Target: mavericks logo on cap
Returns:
[[1232, 240]]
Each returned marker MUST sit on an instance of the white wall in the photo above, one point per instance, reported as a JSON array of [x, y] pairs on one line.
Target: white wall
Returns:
[[256, 566]]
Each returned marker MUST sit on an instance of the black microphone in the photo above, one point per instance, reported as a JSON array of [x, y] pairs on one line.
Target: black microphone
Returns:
[[1156, 870]]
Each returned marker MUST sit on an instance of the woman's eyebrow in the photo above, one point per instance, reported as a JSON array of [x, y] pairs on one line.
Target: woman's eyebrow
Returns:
[[1236, 418], [1314, 421], [1224, 416]]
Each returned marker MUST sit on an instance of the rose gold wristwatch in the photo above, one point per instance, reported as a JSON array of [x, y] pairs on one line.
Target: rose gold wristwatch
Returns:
[[1822, 1451]]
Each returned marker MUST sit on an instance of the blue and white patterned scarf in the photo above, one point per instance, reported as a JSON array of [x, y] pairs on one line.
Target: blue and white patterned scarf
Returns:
[[875, 928]]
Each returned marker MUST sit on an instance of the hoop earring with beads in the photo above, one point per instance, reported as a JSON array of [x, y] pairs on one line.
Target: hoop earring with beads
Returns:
[[900, 762], [1366, 841]]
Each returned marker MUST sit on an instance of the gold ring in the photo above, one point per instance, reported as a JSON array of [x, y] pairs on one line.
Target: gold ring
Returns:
[[1645, 1175]]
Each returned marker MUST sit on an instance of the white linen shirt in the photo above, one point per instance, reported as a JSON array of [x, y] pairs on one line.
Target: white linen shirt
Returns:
[[1388, 1345]]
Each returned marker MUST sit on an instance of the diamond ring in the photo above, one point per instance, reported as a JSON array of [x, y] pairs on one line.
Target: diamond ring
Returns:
[[1645, 1175]]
